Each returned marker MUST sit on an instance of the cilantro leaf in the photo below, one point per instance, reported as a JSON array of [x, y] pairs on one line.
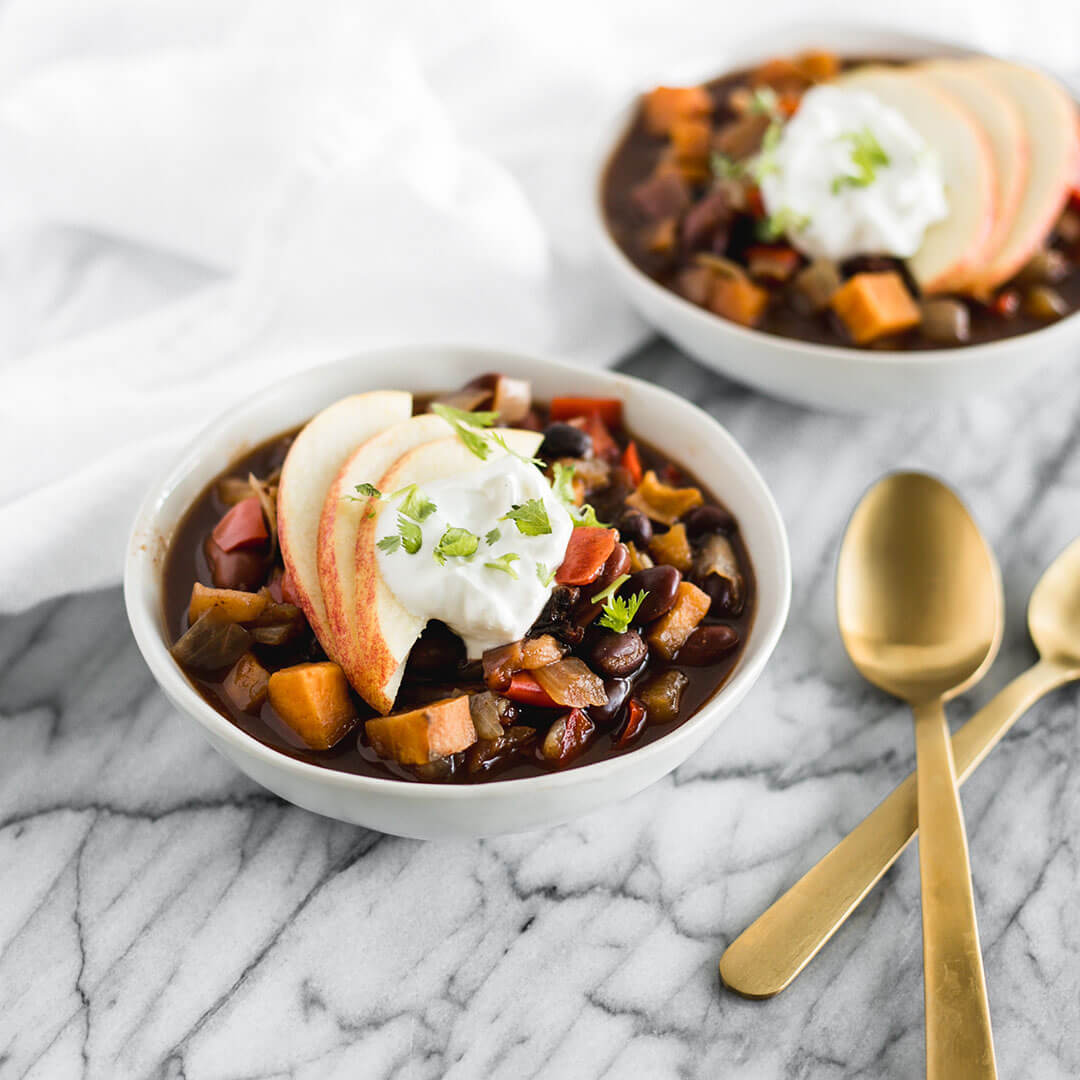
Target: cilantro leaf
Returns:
[[867, 155], [464, 424], [411, 537], [503, 563], [389, 544], [584, 516], [368, 491], [530, 517], [456, 544], [562, 482], [724, 167], [765, 102], [545, 575], [611, 590], [619, 613], [500, 440], [784, 222], [492, 537], [453, 415], [416, 504]]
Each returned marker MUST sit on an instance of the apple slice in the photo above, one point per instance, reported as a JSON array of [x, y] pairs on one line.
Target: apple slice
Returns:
[[1001, 120], [384, 630], [341, 519], [951, 249], [1049, 117], [314, 459]]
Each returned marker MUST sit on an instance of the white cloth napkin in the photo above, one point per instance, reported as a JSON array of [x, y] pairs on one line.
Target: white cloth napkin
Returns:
[[352, 173]]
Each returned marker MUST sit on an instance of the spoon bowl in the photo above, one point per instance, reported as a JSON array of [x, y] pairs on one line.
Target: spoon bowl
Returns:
[[1054, 610], [918, 594]]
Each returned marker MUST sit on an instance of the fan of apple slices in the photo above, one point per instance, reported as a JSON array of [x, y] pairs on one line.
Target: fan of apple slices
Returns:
[[328, 535], [1008, 143]]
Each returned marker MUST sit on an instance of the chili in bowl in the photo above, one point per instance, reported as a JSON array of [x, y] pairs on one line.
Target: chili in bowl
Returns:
[[331, 584], [860, 220]]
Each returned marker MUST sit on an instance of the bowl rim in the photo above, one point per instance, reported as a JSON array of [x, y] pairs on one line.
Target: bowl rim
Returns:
[[616, 128], [143, 598]]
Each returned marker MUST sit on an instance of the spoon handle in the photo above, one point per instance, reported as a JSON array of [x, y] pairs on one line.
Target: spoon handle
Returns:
[[959, 1042], [773, 949]]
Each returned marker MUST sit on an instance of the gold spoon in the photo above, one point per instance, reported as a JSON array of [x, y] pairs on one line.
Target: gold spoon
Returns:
[[771, 951], [920, 608]]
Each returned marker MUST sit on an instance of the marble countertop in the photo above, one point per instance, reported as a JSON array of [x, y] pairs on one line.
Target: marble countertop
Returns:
[[163, 916]]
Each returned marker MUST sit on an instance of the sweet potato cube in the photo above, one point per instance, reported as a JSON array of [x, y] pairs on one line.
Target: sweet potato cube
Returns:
[[738, 299], [659, 238], [673, 548], [662, 502], [669, 633], [313, 699], [246, 684], [422, 735], [690, 140], [667, 105], [872, 305], [234, 605]]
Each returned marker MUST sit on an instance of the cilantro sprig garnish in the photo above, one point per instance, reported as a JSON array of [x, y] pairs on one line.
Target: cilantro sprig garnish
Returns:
[[503, 563], [500, 440], [783, 223], [544, 575], [867, 155], [414, 503], [618, 611], [408, 536], [530, 517], [456, 543], [465, 424], [492, 537], [584, 517], [562, 484]]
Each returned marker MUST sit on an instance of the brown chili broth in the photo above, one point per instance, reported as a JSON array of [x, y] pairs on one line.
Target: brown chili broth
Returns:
[[186, 564], [636, 155]]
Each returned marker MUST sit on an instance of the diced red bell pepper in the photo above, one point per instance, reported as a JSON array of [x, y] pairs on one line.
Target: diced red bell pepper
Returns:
[[631, 462], [754, 202], [571, 738], [525, 690], [242, 527], [1006, 304], [632, 726], [586, 554], [567, 408]]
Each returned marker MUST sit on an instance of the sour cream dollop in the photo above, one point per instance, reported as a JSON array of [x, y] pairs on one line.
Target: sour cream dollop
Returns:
[[803, 181], [483, 605]]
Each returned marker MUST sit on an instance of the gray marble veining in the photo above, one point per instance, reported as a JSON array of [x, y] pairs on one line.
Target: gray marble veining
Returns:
[[160, 915]]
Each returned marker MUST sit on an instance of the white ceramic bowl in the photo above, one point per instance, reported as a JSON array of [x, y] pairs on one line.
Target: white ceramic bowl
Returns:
[[846, 379], [432, 810]]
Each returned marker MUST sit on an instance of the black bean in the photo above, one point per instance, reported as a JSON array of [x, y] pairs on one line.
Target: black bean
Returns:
[[635, 528], [615, 656], [617, 690], [563, 441], [727, 599], [707, 645], [704, 520], [661, 583]]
